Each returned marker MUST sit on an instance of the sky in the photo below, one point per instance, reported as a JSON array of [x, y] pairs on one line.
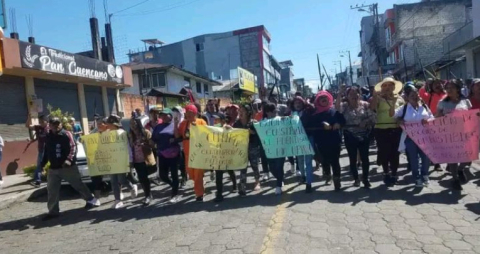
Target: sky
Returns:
[[299, 29]]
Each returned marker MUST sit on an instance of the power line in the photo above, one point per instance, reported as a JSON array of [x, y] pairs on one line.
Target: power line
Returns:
[[165, 8], [133, 6]]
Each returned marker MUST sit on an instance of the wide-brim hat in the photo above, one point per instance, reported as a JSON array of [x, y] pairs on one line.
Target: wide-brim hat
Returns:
[[114, 120], [398, 85]]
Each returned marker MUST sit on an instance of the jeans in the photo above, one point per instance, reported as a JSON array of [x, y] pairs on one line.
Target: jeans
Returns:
[[263, 156], [306, 167], [219, 180], [355, 145], [54, 182], [253, 157], [169, 165], [387, 143], [331, 159], [37, 175], [276, 168], [117, 181], [142, 171], [415, 154], [181, 166]]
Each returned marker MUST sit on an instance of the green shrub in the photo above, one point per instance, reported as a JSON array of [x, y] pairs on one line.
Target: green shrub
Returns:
[[30, 170], [63, 116]]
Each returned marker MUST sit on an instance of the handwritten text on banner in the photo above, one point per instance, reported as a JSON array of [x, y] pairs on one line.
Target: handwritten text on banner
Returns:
[[283, 137], [216, 148], [449, 139]]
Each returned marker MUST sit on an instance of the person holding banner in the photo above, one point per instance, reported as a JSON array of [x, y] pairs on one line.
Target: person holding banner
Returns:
[[452, 102], [182, 131], [168, 152], [359, 119], [245, 122], [119, 180], [385, 102], [326, 122], [143, 158], [414, 111]]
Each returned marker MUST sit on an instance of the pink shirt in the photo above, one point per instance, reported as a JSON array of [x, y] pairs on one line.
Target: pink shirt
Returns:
[[138, 156]]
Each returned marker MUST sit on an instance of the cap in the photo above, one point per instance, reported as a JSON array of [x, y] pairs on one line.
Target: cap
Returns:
[[257, 101], [191, 108], [55, 120], [114, 119], [233, 106], [166, 111]]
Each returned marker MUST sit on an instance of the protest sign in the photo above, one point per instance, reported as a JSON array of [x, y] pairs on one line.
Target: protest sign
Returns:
[[449, 139], [215, 148], [107, 153], [283, 137]]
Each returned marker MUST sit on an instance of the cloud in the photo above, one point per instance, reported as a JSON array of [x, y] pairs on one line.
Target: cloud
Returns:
[[313, 84]]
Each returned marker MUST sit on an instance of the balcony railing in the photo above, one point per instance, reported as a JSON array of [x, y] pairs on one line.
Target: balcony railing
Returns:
[[458, 38]]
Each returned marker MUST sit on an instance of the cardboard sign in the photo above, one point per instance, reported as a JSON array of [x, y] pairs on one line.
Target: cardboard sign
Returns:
[[107, 153], [216, 148], [453, 138], [283, 137]]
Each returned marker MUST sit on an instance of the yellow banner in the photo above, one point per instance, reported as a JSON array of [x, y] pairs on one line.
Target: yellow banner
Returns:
[[107, 153], [246, 80], [215, 148]]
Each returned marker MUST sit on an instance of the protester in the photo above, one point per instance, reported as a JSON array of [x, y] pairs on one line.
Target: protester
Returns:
[[258, 106], [60, 152], [325, 125], [219, 120], [154, 120], [209, 115], [97, 181], [142, 155], [359, 121], [119, 180], [138, 112], [257, 110], [177, 113], [284, 110], [275, 165], [232, 113], [76, 129], [414, 111], [41, 131], [452, 102], [2, 144], [474, 95], [182, 130], [387, 131], [168, 152], [297, 107], [245, 122]]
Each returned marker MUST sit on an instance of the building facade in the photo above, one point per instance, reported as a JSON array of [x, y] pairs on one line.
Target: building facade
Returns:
[[373, 50], [217, 55]]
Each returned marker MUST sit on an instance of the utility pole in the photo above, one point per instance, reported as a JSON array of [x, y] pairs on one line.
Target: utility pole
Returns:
[[319, 72], [350, 62]]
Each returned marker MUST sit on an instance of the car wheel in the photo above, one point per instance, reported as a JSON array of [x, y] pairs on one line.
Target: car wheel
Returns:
[[133, 176]]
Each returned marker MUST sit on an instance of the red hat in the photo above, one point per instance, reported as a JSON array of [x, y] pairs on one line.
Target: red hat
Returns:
[[191, 108], [233, 106]]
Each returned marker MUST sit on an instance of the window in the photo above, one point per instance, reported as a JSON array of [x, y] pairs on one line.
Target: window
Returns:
[[144, 81], [155, 80], [266, 44], [388, 36], [199, 87], [199, 47], [205, 88]]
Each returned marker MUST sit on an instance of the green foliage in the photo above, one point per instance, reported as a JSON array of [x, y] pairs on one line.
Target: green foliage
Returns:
[[242, 101], [63, 116], [30, 170]]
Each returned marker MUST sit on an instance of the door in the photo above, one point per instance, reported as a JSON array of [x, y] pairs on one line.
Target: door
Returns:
[[58, 94]]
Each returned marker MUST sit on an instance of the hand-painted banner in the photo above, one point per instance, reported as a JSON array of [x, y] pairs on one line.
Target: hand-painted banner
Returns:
[[283, 137], [453, 138], [215, 148], [107, 153]]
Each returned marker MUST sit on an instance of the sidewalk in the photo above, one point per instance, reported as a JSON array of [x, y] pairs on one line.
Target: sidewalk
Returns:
[[16, 188]]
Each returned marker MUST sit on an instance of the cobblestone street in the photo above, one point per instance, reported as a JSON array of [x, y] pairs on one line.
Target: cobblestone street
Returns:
[[402, 219]]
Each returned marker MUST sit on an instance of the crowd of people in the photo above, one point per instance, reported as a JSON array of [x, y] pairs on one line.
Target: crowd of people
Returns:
[[351, 117]]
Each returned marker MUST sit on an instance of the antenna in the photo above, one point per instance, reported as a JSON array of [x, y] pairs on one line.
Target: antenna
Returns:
[[91, 6], [13, 24], [29, 19]]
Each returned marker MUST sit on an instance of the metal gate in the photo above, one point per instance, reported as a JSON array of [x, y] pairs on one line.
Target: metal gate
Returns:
[[13, 102], [112, 105], [58, 94], [93, 101]]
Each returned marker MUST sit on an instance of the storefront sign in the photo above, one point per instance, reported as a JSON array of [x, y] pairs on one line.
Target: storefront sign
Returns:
[[283, 137], [246, 80], [51, 60], [449, 139], [216, 148]]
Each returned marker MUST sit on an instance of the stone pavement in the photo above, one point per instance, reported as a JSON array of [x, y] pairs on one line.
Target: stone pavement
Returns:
[[402, 219]]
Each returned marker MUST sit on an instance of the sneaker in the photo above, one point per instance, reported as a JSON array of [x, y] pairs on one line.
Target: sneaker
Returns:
[[134, 191], [174, 199], [426, 182], [218, 198], [117, 205], [266, 177], [356, 183], [147, 200], [298, 173], [278, 191], [437, 167], [35, 184], [50, 216], [292, 169], [121, 195], [328, 180], [257, 187], [199, 199], [462, 177], [308, 188], [456, 185], [183, 183], [419, 183], [92, 203], [366, 184]]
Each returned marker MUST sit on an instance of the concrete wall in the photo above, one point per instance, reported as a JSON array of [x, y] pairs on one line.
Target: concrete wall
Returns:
[[175, 82], [476, 17], [135, 89]]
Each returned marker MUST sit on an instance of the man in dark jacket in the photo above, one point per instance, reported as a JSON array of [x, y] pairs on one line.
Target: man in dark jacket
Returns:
[[60, 151]]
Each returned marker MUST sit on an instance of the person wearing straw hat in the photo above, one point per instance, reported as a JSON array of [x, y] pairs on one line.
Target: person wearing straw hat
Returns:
[[385, 102]]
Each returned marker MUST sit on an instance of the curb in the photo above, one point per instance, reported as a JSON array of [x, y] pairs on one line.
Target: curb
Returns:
[[22, 197]]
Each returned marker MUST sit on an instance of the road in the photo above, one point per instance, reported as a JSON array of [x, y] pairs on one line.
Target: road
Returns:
[[402, 219]]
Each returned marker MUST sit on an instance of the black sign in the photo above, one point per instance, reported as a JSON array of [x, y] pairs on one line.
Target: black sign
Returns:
[[56, 61]]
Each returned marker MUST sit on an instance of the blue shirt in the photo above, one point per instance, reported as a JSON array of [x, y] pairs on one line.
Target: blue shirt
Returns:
[[162, 140], [77, 128]]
